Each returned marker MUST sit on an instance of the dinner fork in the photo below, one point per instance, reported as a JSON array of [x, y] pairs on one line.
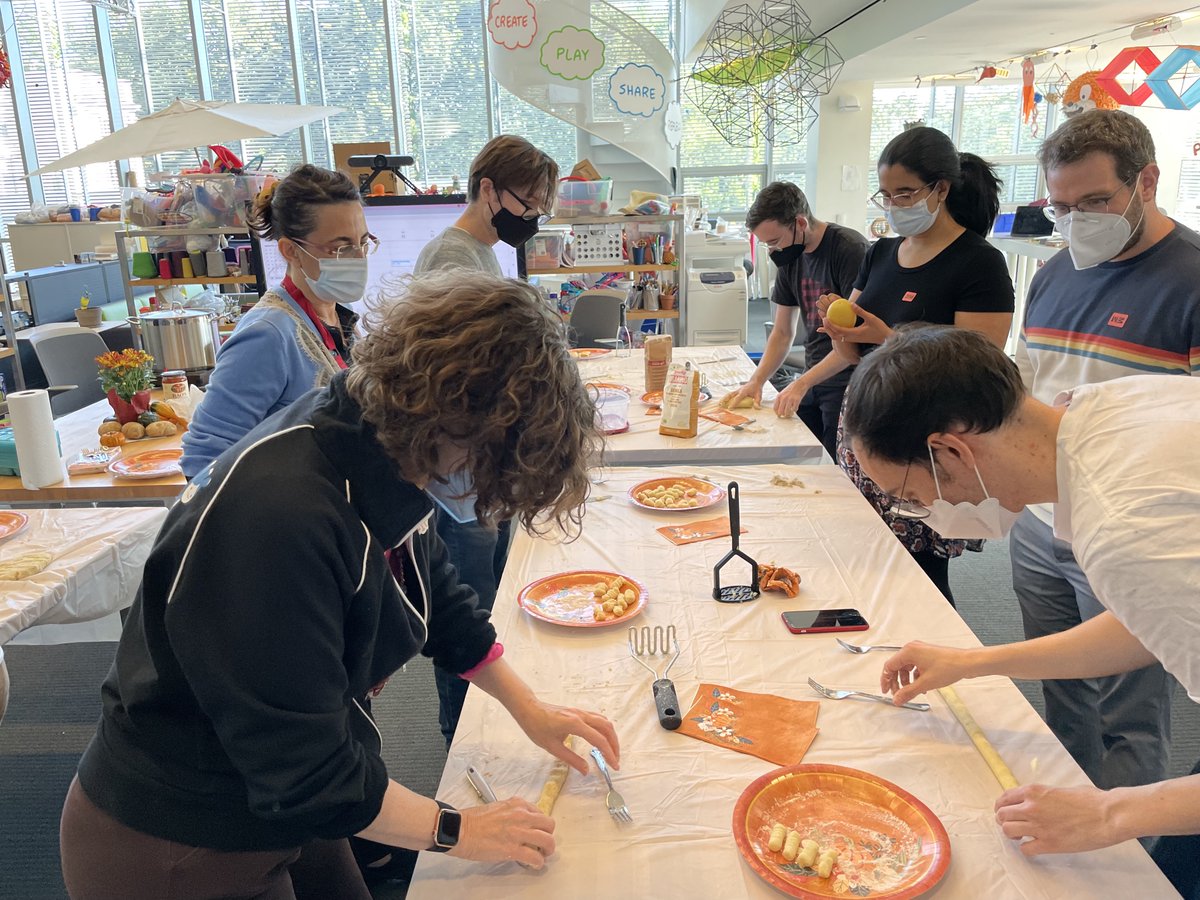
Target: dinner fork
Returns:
[[866, 648], [842, 695], [615, 802]]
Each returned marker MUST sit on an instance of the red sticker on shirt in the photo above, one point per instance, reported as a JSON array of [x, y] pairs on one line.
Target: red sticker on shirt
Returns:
[[909, 296], [1118, 320]]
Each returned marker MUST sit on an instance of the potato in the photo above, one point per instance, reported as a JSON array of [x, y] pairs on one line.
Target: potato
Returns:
[[107, 427], [161, 429], [133, 431]]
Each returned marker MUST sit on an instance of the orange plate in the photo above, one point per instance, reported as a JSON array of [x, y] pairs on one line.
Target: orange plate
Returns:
[[708, 493], [11, 523], [567, 599], [654, 398], [151, 464], [623, 388], [588, 352], [890, 844]]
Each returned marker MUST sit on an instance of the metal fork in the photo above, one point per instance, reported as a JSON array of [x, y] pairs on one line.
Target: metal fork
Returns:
[[866, 648], [842, 695], [615, 802]]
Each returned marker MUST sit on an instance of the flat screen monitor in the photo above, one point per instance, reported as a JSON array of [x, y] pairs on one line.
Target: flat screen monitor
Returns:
[[403, 231]]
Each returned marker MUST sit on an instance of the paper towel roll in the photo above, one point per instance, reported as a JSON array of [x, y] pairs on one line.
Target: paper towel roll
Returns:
[[36, 439]]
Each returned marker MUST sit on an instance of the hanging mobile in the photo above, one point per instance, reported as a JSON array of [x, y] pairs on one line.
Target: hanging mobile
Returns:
[[735, 593]]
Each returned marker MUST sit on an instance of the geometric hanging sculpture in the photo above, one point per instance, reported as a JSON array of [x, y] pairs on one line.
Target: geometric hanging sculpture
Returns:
[[762, 72]]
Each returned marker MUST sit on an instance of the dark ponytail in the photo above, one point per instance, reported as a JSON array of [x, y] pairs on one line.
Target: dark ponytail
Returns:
[[289, 208], [974, 198]]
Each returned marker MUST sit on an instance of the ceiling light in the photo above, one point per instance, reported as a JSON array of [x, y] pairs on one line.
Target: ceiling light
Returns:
[[1155, 27]]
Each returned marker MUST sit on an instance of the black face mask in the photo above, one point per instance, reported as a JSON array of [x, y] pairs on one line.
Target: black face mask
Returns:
[[512, 229], [789, 254]]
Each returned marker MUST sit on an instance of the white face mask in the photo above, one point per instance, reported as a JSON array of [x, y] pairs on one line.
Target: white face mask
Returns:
[[969, 521], [1096, 237], [340, 280], [912, 220]]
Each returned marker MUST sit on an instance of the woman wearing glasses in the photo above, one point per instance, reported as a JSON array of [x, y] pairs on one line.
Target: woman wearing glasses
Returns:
[[942, 270], [299, 334]]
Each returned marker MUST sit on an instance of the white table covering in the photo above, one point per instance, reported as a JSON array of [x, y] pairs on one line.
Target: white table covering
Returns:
[[96, 569], [681, 791], [770, 439]]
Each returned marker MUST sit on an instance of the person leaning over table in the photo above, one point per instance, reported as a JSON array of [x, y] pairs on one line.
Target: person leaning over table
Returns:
[[1123, 300], [939, 416], [236, 750], [941, 269], [813, 258], [299, 334], [510, 188]]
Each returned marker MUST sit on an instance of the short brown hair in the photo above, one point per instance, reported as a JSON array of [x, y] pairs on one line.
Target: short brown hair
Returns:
[[1110, 131], [481, 361], [289, 210], [512, 162], [779, 201]]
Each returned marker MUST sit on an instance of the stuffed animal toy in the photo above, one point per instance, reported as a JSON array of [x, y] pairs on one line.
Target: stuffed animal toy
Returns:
[[1084, 93]]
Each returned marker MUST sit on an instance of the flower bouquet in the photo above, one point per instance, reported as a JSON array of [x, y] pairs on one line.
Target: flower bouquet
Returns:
[[126, 377]]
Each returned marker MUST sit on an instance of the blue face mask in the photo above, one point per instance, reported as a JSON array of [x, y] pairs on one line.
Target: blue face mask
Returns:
[[912, 220], [339, 280]]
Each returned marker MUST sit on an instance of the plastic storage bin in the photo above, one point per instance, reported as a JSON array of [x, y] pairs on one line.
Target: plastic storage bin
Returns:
[[584, 198], [544, 250]]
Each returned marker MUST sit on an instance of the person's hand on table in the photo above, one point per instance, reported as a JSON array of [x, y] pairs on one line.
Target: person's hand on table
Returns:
[[1057, 820], [548, 726], [872, 329], [788, 400], [921, 667], [749, 389], [511, 829]]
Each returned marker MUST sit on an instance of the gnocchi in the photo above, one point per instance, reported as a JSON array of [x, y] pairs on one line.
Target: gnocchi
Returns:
[[809, 850], [674, 496], [791, 846], [611, 600], [803, 852], [825, 863], [778, 834]]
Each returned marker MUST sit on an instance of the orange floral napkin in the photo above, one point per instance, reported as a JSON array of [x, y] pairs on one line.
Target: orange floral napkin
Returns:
[[772, 728], [693, 532], [723, 416]]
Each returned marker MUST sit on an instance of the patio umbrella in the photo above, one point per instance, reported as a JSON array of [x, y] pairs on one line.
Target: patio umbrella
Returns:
[[193, 123]]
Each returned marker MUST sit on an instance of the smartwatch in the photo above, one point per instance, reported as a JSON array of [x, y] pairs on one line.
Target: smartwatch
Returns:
[[446, 829]]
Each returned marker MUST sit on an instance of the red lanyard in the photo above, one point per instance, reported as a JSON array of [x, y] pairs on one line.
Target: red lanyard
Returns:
[[304, 303]]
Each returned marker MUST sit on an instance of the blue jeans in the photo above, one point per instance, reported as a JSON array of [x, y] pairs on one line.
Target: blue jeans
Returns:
[[479, 555], [1118, 728]]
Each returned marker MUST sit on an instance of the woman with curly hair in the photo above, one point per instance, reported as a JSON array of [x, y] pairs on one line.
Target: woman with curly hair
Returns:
[[236, 751]]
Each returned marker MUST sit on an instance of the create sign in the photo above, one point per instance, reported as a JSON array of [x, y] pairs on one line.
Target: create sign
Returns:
[[512, 23], [572, 53], [637, 90]]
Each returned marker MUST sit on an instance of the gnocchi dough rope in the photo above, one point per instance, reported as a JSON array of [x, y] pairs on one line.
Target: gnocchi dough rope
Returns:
[[554, 784], [990, 756]]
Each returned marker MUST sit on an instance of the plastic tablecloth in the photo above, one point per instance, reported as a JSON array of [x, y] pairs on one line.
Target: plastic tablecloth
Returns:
[[96, 569], [769, 439], [681, 791]]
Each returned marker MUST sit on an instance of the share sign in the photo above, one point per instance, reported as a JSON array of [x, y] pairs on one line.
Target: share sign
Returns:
[[637, 90]]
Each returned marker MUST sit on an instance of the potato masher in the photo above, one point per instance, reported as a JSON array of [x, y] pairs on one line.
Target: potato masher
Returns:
[[647, 642], [735, 593]]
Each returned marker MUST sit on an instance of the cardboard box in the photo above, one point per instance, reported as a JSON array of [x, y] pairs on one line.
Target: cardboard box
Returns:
[[342, 152]]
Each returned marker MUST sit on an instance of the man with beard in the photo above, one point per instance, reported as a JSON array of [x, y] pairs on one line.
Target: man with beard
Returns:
[[1124, 300]]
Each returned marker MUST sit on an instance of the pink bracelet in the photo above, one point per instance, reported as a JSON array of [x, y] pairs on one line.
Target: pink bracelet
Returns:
[[493, 654]]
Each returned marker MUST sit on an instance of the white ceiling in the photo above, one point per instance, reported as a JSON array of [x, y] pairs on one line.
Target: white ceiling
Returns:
[[899, 40]]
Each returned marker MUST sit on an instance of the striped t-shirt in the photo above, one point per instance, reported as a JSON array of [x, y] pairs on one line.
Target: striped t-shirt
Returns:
[[1134, 317]]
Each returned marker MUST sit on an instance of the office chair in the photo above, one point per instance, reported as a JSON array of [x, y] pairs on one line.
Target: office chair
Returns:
[[595, 316], [67, 354]]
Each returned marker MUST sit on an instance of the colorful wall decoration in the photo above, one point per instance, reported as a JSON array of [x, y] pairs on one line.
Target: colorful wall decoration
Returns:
[[1164, 79]]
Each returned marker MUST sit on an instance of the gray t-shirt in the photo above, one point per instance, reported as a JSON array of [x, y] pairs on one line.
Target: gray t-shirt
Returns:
[[455, 249]]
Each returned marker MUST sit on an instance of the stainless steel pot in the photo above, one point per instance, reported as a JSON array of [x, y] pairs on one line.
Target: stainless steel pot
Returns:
[[178, 338]]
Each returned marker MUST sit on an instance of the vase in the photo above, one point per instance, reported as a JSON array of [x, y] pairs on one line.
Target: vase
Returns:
[[128, 411]]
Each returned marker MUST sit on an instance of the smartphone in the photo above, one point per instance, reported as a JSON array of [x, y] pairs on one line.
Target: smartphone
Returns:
[[818, 621]]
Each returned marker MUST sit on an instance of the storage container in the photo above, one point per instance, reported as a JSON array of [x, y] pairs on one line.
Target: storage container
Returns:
[[577, 197]]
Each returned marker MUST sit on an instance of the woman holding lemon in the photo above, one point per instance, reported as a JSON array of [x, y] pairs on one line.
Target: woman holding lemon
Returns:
[[941, 270]]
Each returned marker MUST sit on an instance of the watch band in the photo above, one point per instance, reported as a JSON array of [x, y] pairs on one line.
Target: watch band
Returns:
[[446, 828]]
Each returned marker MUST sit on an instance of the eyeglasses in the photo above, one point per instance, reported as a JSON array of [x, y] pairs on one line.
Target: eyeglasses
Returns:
[[907, 509], [1055, 211], [344, 251], [771, 248], [902, 199], [531, 211]]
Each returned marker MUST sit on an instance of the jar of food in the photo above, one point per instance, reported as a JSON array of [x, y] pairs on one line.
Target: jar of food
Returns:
[[175, 384]]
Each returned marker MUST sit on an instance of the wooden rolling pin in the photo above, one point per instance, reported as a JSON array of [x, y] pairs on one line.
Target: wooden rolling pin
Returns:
[[999, 768]]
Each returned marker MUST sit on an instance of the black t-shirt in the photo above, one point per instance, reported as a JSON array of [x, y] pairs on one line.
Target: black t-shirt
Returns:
[[970, 275], [831, 268]]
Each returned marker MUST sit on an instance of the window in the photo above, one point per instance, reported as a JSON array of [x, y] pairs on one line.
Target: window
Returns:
[[892, 108], [170, 62]]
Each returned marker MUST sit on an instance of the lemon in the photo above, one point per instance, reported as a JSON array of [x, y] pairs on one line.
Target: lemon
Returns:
[[841, 313]]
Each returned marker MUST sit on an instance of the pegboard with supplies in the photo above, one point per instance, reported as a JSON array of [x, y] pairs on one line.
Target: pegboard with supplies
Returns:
[[598, 244]]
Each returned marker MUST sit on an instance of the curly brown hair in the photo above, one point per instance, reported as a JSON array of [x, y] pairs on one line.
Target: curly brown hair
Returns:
[[480, 361]]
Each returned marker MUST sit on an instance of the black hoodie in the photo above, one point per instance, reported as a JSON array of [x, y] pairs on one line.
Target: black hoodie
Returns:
[[236, 713]]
